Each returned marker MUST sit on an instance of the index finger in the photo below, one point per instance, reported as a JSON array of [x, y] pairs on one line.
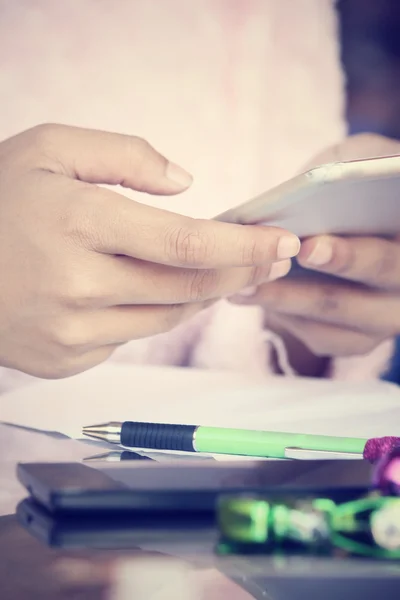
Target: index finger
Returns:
[[122, 226], [372, 261]]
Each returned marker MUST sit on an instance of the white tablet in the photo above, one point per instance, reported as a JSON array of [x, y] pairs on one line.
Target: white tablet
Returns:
[[359, 197]]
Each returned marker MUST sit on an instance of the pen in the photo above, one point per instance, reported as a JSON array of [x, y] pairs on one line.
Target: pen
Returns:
[[218, 440]]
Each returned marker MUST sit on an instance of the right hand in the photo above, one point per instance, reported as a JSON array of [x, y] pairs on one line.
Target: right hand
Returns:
[[84, 269]]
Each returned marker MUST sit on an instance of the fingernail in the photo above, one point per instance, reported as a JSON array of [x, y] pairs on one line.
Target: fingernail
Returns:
[[279, 269], [178, 175], [247, 292], [288, 246], [321, 254]]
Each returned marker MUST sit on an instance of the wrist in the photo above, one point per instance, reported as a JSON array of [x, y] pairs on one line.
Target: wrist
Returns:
[[300, 358]]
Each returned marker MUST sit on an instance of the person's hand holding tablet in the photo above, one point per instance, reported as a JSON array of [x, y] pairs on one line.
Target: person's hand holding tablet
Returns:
[[347, 316], [84, 269]]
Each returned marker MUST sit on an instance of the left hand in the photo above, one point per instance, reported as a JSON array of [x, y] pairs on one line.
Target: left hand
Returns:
[[348, 317], [339, 318]]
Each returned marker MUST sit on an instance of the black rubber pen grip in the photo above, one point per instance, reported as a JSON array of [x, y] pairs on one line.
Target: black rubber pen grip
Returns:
[[158, 436]]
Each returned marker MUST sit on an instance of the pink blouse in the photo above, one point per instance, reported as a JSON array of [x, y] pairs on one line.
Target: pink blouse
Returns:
[[242, 93]]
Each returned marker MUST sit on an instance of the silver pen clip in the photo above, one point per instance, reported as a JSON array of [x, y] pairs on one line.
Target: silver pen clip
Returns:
[[306, 454]]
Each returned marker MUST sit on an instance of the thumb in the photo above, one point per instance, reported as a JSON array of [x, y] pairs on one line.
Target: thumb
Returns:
[[111, 158], [357, 147]]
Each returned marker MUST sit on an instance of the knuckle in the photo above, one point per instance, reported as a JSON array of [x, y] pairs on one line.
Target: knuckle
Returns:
[[79, 218], [43, 148], [139, 145], [202, 284], [249, 252], [329, 301], [74, 363], [44, 135], [62, 369], [43, 131], [253, 253], [189, 246], [254, 250], [69, 336], [80, 291]]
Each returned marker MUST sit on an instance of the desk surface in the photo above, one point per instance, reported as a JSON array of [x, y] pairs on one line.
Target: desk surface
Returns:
[[29, 569]]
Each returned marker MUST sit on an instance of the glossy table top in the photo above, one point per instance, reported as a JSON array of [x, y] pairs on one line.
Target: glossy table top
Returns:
[[29, 569]]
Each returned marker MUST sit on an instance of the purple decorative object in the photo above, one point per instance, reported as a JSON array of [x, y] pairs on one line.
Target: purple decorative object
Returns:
[[377, 448], [387, 474]]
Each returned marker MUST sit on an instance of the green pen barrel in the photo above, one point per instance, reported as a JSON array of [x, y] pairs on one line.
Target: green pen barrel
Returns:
[[269, 444]]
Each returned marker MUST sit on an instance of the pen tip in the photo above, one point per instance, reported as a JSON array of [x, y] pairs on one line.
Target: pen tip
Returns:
[[106, 432]]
